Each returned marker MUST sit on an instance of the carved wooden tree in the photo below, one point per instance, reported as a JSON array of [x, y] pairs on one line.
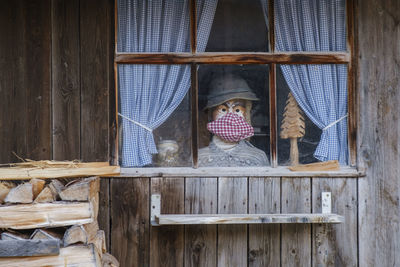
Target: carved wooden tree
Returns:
[[292, 127]]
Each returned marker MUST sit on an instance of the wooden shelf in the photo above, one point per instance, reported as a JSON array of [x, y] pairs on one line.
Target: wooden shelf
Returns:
[[177, 219], [158, 219]]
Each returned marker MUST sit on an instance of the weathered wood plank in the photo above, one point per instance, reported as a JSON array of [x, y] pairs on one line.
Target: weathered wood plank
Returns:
[[26, 248], [232, 239], [167, 243], [379, 132], [25, 45], [335, 245], [264, 240], [296, 239], [37, 80], [45, 215], [280, 171], [201, 241], [104, 216], [10, 20], [65, 79], [234, 58], [74, 256], [129, 210], [292, 218], [95, 44]]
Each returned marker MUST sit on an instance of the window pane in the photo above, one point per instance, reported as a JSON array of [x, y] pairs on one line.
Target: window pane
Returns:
[[239, 26], [233, 102], [153, 26], [310, 25], [154, 107], [313, 118]]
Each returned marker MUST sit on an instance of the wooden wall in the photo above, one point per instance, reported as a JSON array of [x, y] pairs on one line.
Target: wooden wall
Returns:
[[57, 81], [379, 132], [56, 95]]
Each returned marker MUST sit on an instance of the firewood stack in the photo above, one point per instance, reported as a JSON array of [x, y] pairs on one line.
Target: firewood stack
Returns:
[[52, 222]]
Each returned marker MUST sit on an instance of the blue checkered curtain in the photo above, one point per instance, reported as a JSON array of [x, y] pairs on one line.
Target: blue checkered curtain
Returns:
[[320, 90], [148, 94]]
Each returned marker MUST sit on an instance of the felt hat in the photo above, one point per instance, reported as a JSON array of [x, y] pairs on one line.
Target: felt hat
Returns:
[[226, 88]]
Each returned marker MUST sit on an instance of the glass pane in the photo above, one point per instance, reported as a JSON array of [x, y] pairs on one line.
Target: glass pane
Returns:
[[239, 26], [154, 120], [310, 25], [233, 116], [153, 26], [312, 119]]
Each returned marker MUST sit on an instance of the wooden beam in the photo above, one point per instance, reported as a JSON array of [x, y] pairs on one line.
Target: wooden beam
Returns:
[[177, 219], [74, 256], [56, 172], [31, 216], [280, 171], [26, 248], [331, 165], [235, 58]]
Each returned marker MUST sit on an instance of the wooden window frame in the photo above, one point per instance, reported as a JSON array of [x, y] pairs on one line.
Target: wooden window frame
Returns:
[[272, 58]]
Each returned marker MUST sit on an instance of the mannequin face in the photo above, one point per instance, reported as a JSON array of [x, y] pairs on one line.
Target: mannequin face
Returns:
[[235, 106]]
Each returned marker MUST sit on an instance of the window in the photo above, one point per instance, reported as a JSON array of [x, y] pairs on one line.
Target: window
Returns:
[[282, 67]]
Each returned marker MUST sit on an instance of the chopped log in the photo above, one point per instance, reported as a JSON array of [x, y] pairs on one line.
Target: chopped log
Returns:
[[109, 260], [91, 230], [56, 187], [95, 203], [5, 188], [13, 236], [96, 236], [45, 234], [37, 186], [24, 248], [331, 165], [75, 234], [21, 194], [51, 169], [73, 256], [46, 196], [83, 190], [39, 215], [100, 242]]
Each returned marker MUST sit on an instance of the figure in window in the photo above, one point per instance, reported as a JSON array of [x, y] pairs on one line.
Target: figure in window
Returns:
[[229, 104]]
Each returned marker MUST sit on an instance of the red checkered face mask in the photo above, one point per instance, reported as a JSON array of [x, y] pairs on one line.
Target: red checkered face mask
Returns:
[[231, 127]]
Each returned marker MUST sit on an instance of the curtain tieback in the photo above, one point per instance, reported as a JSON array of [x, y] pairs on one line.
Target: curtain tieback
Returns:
[[335, 122], [135, 122]]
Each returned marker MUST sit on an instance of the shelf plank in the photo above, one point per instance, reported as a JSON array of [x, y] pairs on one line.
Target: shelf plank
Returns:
[[31, 216], [177, 219]]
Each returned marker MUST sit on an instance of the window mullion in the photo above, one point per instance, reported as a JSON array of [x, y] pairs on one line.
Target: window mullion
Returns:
[[352, 96], [194, 85], [272, 88], [195, 114], [193, 27]]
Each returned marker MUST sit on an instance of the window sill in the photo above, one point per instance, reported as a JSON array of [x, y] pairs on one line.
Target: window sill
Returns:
[[282, 171]]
